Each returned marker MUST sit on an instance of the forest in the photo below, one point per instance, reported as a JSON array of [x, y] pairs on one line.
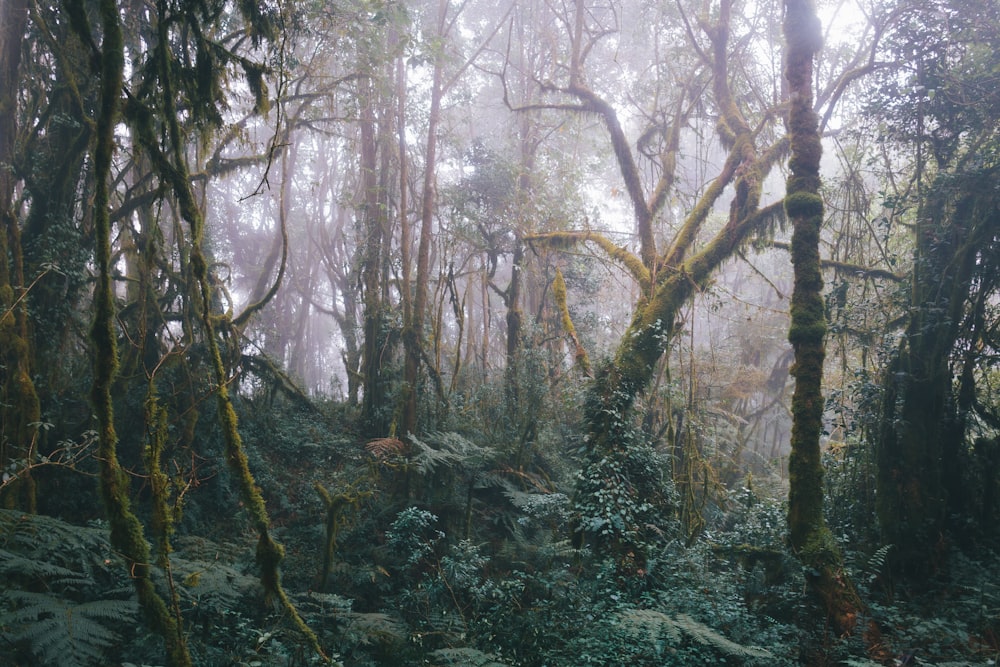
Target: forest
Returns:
[[541, 333]]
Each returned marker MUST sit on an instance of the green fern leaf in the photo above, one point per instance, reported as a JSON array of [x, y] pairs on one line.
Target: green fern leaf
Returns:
[[653, 625], [60, 632], [467, 657]]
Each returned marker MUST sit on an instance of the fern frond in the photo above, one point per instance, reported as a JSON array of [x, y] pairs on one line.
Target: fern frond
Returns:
[[652, 625], [14, 566], [877, 561], [428, 458], [63, 633], [703, 634], [213, 587], [68, 557], [466, 657], [323, 603], [383, 448], [373, 628]]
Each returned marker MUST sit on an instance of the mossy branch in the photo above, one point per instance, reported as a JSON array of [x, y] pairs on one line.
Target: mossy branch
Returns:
[[126, 530], [847, 267], [567, 239], [559, 293], [173, 170]]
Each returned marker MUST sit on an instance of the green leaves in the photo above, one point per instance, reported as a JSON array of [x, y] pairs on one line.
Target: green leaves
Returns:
[[64, 633]]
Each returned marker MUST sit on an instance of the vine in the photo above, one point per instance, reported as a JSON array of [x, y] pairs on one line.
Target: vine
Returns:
[[126, 529]]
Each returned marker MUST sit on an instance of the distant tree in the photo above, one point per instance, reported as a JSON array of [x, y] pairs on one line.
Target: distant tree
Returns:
[[942, 104], [20, 412]]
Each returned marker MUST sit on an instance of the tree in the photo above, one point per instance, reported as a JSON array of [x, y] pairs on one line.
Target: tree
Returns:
[[808, 534], [20, 411], [943, 112], [667, 278]]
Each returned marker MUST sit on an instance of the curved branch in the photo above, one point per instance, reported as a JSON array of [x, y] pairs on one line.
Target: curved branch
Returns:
[[855, 269], [625, 258]]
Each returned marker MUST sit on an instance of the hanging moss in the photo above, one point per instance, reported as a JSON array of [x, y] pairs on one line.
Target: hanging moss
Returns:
[[126, 530], [173, 169], [580, 356]]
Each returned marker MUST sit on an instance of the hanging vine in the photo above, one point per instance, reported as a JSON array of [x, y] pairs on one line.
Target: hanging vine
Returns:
[[171, 165], [126, 529]]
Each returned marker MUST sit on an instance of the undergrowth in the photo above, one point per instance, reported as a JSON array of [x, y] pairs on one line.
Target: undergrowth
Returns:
[[444, 556]]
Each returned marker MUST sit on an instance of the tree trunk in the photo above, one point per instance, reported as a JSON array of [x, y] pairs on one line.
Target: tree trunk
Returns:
[[917, 438], [19, 405], [809, 536], [375, 410], [413, 334]]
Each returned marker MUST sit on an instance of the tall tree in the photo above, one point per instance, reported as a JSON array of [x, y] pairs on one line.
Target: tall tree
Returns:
[[809, 536], [413, 332], [19, 405]]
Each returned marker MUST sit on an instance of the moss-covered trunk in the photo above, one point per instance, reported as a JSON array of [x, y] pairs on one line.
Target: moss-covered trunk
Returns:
[[126, 529], [19, 406], [809, 536]]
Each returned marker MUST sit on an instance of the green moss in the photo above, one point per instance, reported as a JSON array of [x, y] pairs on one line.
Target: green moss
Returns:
[[808, 534], [581, 358], [803, 205]]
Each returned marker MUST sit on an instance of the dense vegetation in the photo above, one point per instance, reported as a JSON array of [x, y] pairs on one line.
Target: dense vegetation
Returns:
[[379, 332]]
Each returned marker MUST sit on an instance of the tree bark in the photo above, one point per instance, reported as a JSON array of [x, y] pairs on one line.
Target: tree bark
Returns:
[[413, 334], [19, 404], [808, 533]]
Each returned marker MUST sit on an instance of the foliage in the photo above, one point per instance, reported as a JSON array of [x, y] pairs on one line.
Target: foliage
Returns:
[[60, 632], [66, 601], [626, 495], [518, 514]]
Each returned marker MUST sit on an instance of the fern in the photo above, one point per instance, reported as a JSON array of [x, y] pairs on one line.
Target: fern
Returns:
[[69, 558], [427, 458], [467, 657], [876, 563], [211, 587], [372, 628], [385, 448], [15, 567], [352, 628], [451, 450], [652, 625], [59, 632]]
